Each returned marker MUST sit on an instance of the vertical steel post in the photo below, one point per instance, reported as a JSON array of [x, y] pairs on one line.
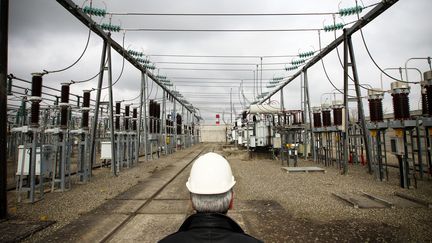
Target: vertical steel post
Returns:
[[248, 139], [360, 109], [257, 80], [419, 149], [64, 154], [111, 111], [231, 106], [282, 105], [345, 133], [302, 91], [164, 125], [96, 114], [309, 114], [255, 94], [4, 17], [140, 117], [385, 154], [262, 74], [160, 126], [144, 107], [33, 164], [379, 156], [174, 117], [184, 122], [404, 165], [428, 150]]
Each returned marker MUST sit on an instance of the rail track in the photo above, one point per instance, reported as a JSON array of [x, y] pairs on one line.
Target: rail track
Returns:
[[111, 220]]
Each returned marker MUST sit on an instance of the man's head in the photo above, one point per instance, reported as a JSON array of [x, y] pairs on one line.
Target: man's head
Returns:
[[210, 184]]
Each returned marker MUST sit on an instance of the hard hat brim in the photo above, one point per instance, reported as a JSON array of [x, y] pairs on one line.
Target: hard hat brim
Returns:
[[211, 191]]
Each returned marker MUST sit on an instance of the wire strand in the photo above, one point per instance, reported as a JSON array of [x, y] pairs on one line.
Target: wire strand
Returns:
[[91, 78], [219, 63], [220, 14], [74, 63], [218, 30], [340, 61], [222, 56], [129, 100], [370, 56], [220, 69], [376, 64], [324, 68], [121, 72]]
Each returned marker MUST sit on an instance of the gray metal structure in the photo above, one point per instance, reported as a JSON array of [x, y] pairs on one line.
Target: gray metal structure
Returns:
[[87, 21], [348, 50], [4, 17]]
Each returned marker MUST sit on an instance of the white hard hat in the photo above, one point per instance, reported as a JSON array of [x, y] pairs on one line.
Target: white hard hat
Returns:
[[210, 174]]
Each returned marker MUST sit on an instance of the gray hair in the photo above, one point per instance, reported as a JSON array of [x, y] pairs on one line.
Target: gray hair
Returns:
[[216, 203]]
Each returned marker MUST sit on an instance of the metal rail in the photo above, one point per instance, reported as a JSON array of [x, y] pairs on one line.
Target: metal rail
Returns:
[[131, 216], [371, 15]]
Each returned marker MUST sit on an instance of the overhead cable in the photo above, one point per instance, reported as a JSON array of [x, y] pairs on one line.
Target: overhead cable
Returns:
[[210, 78], [219, 30], [76, 61], [342, 65], [222, 56], [323, 66], [220, 63], [121, 72], [221, 69], [376, 64], [220, 14]]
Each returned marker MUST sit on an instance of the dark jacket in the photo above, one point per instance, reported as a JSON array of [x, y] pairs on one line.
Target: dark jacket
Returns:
[[209, 227]]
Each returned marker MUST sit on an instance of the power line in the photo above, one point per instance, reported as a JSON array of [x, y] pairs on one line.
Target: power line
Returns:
[[222, 69], [203, 99], [220, 82], [220, 63], [220, 30], [216, 86], [376, 64], [211, 103], [222, 56], [76, 61], [221, 14], [220, 95], [209, 78], [204, 94]]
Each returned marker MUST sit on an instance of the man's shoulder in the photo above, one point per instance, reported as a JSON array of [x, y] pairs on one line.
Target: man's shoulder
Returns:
[[209, 227], [174, 237], [191, 237]]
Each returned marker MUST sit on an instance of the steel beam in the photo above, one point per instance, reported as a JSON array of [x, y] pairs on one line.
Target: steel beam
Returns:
[[371, 15], [111, 119], [360, 109], [76, 11], [97, 105], [346, 104], [308, 113], [144, 112]]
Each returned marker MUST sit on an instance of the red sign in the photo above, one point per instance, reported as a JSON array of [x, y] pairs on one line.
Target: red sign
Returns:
[[217, 116], [217, 122]]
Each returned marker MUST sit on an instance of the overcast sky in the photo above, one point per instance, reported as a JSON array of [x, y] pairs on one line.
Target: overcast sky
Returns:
[[44, 36]]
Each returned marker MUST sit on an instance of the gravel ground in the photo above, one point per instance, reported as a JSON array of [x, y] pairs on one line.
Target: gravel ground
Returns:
[[67, 206], [311, 213], [309, 203]]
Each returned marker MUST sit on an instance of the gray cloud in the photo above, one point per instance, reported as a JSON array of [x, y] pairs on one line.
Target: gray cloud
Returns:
[[43, 35]]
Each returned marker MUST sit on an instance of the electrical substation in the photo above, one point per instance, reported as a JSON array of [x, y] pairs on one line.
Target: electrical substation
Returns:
[[323, 114]]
